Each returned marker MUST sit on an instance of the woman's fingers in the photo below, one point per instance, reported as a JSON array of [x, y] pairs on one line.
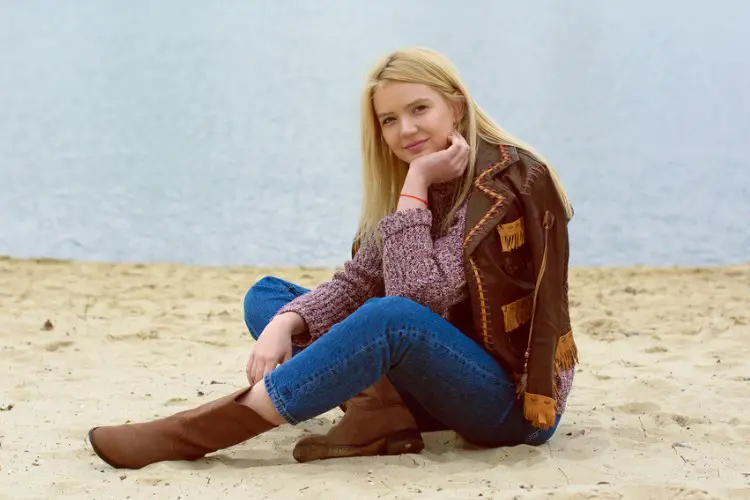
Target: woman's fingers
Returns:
[[452, 151], [461, 163], [460, 160], [270, 365], [459, 141], [249, 369], [257, 370], [258, 373]]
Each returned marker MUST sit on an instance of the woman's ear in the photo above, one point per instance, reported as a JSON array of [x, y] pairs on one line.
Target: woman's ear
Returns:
[[458, 112]]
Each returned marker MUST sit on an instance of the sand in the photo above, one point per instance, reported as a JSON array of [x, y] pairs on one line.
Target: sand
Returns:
[[659, 408]]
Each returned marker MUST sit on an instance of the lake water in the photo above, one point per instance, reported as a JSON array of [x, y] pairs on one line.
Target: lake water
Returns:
[[227, 132]]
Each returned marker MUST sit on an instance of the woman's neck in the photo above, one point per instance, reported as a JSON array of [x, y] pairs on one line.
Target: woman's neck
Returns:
[[441, 197]]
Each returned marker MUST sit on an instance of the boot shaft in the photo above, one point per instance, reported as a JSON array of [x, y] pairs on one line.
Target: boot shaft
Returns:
[[381, 394], [187, 435]]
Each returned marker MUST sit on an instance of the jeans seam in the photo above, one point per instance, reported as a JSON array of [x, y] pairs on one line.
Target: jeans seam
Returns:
[[278, 401], [436, 345], [458, 355], [277, 398], [342, 361]]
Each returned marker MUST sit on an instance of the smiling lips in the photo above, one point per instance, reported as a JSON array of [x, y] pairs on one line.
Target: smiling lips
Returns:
[[416, 145]]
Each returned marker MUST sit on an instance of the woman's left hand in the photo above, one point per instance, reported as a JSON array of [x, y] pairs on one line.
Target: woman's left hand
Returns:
[[273, 347]]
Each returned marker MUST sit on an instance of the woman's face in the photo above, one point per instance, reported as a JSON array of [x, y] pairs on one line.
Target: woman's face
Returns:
[[414, 118]]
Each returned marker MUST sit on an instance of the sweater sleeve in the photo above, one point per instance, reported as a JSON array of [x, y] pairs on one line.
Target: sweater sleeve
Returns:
[[334, 300], [429, 272]]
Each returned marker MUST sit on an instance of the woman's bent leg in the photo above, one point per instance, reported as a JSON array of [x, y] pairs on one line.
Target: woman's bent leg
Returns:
[[264, 299], [448, 374], [452, 377]]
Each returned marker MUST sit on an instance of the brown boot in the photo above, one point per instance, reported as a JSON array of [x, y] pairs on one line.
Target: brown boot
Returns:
[[187, 435], [376, 422]]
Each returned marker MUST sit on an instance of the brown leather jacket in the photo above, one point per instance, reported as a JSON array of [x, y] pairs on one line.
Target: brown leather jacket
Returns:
[[516, 259], [515, 254]]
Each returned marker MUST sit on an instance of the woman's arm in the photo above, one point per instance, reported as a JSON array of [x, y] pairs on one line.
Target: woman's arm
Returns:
[[429, 272], [334, 300]]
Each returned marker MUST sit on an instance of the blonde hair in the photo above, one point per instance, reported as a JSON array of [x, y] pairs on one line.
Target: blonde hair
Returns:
[[383, 173]]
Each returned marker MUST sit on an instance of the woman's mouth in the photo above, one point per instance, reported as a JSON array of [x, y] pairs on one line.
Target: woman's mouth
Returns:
[[416, 145]]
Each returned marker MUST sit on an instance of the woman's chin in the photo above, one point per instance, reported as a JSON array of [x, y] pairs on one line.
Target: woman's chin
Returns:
[[419, 154]]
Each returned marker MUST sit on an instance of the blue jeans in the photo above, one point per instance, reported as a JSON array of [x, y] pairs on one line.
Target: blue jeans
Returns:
[[446, 379]]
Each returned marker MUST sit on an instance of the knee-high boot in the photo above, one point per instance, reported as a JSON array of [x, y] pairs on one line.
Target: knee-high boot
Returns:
[[187, 435], [376, 422]]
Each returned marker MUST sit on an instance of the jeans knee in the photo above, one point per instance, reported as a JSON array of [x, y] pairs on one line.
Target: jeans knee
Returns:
[[394, 308], [267, 283], [538, 437], [253, 303], [262, 287], [389, 315], [394, 303], [249, 313]]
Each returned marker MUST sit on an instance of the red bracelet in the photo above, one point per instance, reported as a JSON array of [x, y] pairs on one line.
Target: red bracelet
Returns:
[[416, 198]]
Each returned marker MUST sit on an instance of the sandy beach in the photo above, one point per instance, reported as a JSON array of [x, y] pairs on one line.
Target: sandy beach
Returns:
[[659, 408]]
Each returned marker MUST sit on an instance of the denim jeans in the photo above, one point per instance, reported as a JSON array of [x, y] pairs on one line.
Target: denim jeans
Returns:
[[446, 379]]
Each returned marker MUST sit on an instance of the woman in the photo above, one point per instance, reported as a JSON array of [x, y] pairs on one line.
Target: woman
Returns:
[[451, 314]]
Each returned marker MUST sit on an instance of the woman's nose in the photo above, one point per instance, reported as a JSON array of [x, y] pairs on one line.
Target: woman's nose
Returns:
[[408, 127]]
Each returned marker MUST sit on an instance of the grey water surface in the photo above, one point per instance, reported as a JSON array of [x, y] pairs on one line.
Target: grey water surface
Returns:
[[228, 132]]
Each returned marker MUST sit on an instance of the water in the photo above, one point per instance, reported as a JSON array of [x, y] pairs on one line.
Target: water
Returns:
[[227, 132]]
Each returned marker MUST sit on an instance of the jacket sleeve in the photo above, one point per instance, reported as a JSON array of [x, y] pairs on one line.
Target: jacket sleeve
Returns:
[[334, 300], [545, 226], [416, 266]]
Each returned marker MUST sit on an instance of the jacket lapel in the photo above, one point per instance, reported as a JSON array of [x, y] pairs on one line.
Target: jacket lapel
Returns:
[[486, 205]]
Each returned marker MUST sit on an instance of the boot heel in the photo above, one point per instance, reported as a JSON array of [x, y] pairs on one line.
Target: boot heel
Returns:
[[407, 441]]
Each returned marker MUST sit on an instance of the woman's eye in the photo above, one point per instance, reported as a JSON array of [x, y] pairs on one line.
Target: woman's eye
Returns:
[[420, 108], [387, 121]]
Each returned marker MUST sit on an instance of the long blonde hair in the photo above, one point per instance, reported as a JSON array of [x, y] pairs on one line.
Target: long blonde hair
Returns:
[[383, 173]]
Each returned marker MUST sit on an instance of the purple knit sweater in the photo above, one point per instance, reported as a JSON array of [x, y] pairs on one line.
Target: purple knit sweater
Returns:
[[416, 262]]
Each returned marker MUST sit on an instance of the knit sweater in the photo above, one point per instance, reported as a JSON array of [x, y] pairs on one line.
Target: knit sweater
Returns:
[[417, 261]]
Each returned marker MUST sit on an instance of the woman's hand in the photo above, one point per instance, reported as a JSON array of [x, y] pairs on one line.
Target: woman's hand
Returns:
[[443, 166], [273, 347]]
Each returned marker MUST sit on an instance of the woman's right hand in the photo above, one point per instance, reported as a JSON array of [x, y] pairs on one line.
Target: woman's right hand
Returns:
[[273, 347], [443, 166]]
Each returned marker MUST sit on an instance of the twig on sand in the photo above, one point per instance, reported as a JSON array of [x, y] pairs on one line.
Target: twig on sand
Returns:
[[642, 427], [674, 447]]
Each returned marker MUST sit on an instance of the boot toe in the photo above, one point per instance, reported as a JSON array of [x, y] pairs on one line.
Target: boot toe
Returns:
[[322, 447], [315, 447], [98, 450], [109, 441]]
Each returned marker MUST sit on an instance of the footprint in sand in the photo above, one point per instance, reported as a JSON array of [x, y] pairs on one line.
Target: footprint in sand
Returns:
[[155, 481], [55, 346], [153, 334], [602, 328], [682, 420], [642, 408], [583, 444], [175, 402]]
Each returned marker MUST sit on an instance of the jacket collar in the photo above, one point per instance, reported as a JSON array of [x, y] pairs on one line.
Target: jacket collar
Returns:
[[489, 155], [486, 204]]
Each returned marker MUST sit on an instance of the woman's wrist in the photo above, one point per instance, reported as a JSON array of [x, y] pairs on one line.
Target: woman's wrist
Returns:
[[414, 192], [292, 322], [417, 179]]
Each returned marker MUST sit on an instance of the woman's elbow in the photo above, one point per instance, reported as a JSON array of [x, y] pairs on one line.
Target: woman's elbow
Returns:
[[432, 295]]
